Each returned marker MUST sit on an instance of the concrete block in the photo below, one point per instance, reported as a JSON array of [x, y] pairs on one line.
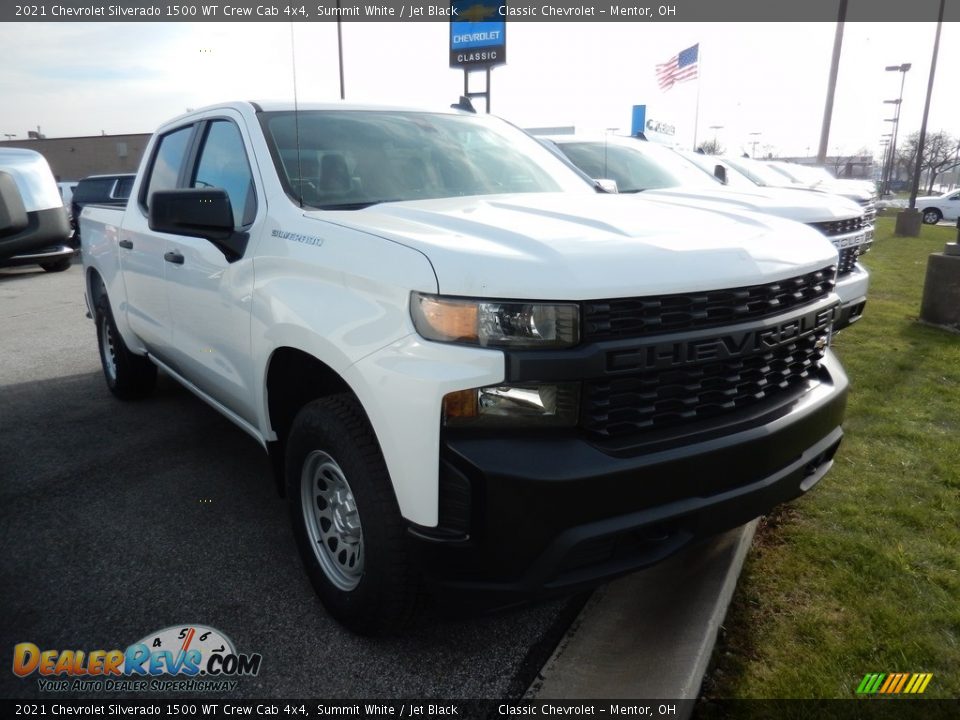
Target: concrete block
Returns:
[[941, 291], [908, 223]]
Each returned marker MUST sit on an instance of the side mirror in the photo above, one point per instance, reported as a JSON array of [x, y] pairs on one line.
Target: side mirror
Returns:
[[13, 213], [198, 212], [720, 172], [606, 185]]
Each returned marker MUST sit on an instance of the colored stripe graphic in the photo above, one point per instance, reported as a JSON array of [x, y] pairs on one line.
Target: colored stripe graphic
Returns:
[[894, 683], [886, 686]]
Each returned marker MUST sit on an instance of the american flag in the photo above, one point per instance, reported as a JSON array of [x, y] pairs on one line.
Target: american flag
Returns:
[[680, 67]]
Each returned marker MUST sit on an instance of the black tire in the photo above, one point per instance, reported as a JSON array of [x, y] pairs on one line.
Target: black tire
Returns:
[[368, 584], [931, 216], [56, 265], [129, 376]]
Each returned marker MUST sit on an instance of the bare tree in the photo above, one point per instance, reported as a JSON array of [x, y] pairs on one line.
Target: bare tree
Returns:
[[712, 147], [939, 153]]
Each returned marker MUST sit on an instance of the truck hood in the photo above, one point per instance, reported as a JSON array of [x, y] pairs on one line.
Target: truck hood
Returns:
[[802, 207], [578, 247]]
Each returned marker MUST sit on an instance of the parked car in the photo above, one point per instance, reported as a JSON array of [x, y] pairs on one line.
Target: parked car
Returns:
[[471, 371], [653, 171], [818, 178], [935, 208], [100, 190], [34, 229]]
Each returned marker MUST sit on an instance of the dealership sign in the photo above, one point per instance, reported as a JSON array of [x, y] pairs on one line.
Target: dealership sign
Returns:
[[657, 129], [477, 33]]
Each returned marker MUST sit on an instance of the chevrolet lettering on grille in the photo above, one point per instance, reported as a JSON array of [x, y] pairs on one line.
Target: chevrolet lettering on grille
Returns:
[[653, 355]]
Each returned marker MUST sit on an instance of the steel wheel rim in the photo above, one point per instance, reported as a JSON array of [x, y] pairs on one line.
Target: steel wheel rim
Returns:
[[107, 350], [332, 520], [931, 218]]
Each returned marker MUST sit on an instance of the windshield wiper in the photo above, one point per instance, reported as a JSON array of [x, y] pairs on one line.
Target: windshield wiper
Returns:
[[632, 191], [358, 205]]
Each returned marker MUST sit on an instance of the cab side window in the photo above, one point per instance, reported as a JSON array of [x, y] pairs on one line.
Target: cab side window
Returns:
[[167, 163], [223, 164]]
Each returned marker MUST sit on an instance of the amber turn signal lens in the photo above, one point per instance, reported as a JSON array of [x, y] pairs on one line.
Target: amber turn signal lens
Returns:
[[460, 405], [446, 320]]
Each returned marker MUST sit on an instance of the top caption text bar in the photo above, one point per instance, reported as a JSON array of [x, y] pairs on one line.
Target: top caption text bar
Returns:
[[512, 11]]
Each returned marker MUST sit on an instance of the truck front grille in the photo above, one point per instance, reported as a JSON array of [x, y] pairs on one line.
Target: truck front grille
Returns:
[[841, 227], [644, 316], [869, 208], [638, 403], [848, 259]]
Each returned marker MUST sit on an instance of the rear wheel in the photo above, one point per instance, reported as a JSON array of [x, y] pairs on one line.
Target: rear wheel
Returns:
[[931, 216], [346, 520], [129, 376]]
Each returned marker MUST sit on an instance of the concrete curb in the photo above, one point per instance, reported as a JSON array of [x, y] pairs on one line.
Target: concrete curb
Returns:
[[649, 635]]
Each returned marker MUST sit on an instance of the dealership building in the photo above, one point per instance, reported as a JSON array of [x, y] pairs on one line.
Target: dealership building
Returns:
[[73, 158]]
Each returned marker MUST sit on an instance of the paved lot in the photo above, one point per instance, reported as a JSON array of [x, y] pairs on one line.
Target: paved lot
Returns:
[[120, 519]]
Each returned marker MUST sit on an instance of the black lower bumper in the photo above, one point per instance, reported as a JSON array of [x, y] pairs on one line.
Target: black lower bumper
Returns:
[[542, 515], [849, 314], [40, 256]]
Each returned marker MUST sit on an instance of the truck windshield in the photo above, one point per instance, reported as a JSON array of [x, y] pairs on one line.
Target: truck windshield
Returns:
[[759, 172], [636, 165], [350, 159]]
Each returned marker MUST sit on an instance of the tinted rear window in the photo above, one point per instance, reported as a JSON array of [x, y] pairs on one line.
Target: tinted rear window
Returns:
[[93, 190]]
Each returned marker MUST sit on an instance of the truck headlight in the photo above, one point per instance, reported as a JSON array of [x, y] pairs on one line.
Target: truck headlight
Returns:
[[526, 405], [492, 323]]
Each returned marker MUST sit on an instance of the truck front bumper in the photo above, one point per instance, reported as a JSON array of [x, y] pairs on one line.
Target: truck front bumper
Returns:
[[852, 289], [529, 516]]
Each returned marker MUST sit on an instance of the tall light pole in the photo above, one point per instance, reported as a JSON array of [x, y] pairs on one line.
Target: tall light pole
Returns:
[[832, 84], [755, 142], [715, 128], [908, 221], [902, 69], [891, 158], [340, 49], [885, 144], [9, 136]]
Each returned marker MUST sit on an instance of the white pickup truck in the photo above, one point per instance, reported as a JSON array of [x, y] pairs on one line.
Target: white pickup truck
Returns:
[[469, 369], [661, 173]]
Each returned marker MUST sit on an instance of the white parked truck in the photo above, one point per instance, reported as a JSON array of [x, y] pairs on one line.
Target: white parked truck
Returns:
[[648, 170], [471, 371]]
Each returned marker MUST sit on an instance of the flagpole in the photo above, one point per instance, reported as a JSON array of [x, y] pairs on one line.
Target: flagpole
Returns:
[[696, 112]]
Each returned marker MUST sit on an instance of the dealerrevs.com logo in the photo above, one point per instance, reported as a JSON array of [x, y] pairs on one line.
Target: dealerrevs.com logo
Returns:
[[180, 658]]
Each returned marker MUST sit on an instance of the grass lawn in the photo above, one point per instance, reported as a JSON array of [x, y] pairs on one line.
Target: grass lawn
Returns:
[[863, 574]]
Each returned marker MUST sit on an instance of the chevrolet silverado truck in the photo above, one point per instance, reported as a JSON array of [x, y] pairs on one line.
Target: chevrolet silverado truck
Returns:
[[472, 373], [654, 171], [34, 228]]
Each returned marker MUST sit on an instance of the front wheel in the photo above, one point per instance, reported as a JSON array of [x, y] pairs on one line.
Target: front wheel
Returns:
[[129, 376], [932, 216], [346, 520]]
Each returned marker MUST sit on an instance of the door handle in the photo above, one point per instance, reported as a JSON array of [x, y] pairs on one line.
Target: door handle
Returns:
[[126, 244], [173, 257]]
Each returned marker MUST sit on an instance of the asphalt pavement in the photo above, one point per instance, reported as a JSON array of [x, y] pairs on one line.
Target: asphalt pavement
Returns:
[[120, 519]]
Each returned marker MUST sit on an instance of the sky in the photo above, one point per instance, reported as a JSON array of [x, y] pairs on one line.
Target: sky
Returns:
[[74, 79]]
